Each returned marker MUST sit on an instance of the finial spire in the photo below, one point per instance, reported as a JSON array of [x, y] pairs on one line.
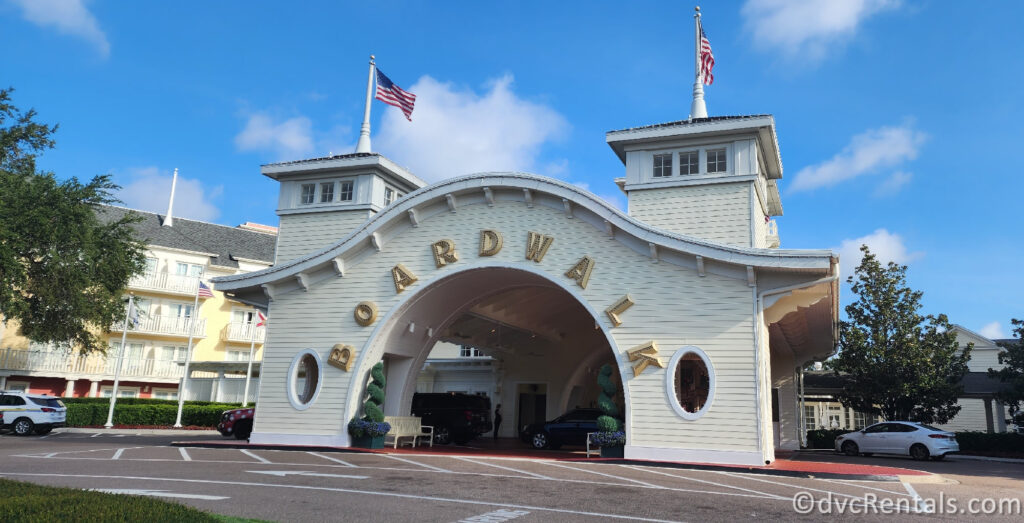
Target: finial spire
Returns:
[[363, 146], [697, 107], [169, 219]]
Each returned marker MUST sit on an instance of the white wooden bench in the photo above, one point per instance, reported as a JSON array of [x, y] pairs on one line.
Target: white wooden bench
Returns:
[[407, 427]]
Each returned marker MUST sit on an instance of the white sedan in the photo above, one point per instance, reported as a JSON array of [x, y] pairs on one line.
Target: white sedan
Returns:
[[918, 440]]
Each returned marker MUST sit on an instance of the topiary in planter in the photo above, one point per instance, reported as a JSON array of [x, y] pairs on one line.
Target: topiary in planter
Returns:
[[373, 407], [607, 422]]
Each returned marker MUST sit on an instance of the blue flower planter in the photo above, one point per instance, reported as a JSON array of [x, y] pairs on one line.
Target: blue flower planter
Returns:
[[368, 442], [612, 452]]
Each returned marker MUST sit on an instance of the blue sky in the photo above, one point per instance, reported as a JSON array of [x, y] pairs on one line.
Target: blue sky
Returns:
[[899, 122]]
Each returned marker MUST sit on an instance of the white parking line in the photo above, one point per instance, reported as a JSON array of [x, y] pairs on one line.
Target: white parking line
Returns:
[[841, 482], [767, 494], [254, 456], [347, 490], [117, 455], [541, 476], [919, 504], [431, 467], [644, 483], [184, 454], [777, 482], [496, 517], [94, 435], [328, 458]]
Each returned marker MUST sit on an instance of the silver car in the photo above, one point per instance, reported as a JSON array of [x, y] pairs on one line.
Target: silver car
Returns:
[[917, 440]]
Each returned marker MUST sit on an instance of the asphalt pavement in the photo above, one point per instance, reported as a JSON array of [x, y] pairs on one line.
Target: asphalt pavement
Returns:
[[282, 485]]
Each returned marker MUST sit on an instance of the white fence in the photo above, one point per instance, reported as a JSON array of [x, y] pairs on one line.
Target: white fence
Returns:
[[58, 362]]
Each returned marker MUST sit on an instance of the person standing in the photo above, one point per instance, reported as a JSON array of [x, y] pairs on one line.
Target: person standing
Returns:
[[497, 420]]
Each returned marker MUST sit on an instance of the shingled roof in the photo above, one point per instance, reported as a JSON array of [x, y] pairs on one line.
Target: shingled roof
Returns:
[[692, 121], [226, 244]]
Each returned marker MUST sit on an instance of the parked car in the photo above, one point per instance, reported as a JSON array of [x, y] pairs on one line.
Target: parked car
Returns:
[[455, 416], [570, 428], [237, 422], [26, 413], [917, 440]]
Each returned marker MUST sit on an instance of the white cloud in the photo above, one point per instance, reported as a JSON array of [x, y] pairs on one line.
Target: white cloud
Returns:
[[290, 139], [866, 154], [150, 189], [806, 28], [886, 246], [993, 331], [893, 183], [456, 131], [69, 17]]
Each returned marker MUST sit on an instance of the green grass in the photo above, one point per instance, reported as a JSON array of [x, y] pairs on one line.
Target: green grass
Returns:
[[21, 501]]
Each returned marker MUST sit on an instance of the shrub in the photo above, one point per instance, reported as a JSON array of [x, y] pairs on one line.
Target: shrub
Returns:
[[823, 438], [86, 414], [608, 421], [359, 428], [990, 442], [372, 410], [608, 439]]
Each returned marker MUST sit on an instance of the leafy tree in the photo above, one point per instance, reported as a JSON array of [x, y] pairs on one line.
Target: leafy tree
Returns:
[[62, 268], [899, 364], [1012, 356]]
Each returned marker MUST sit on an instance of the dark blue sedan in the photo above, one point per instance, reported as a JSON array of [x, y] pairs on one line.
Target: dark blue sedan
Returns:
[[570, 428]]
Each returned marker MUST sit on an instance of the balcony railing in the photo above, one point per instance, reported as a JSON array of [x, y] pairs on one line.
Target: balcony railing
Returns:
[[95, 365], [243, 332], [164, 282], [771, 236], [165, 325]]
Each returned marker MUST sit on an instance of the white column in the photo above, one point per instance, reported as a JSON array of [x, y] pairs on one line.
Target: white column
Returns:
[[94, 388], [3, 382], [69, 389], [1000, 416], [218, 385]]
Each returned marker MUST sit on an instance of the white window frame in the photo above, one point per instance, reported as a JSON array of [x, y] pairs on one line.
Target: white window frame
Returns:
[[702, 165], [679, 155], [725, 158], [172, 393], [670, 382], [121, 389], [323, 186], [351, 192], [389, 196], [291, 378], [17, 386], [654, 165], [465, 351], [192, 270], [302, 193]]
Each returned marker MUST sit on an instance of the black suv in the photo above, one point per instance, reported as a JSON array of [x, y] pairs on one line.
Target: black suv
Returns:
[[455, 416], [570, 428]]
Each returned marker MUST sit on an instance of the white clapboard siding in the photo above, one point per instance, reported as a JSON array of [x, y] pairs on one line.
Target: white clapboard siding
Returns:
[[302, 234], [713, 312], [719, 212], [971, 416]]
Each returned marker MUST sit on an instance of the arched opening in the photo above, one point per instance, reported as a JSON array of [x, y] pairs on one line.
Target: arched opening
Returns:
[[506, 333]]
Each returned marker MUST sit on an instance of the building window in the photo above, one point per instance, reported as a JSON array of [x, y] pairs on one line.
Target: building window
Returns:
[[810, 418], [327, 192], [237, 355], [689, 163], [470, 352], [662, 165], [308, 193], [303, 382], [690, 382], [716, 161], [389, 196], [346, 192], [189, 269], [165, 394], [173, 353], [151, 264]]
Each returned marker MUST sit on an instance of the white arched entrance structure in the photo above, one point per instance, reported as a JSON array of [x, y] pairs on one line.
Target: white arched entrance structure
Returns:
[[432, 255]]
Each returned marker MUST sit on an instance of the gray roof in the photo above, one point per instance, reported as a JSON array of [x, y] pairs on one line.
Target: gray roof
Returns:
[[227, 244], [322, 158], [691, 122]]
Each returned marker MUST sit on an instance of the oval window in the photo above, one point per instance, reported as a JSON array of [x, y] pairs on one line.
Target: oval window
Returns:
[[690, 382], [304, 379]]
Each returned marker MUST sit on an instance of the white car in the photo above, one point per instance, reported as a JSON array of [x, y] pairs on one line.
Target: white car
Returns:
[[26, 413], [917, 440]]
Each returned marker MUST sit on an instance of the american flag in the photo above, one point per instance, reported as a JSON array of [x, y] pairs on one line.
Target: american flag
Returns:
[[391, 94], [204, 291], [707, 60]]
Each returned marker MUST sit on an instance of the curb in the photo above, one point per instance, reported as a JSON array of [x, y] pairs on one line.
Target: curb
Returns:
[[612, 461], [971, 457]]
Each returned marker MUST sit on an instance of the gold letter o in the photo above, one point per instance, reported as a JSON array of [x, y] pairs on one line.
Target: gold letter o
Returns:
[[365, 313]]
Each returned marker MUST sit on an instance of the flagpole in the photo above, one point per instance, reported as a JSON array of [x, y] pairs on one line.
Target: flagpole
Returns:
[[120, 358], [363, 146], [697, 108], [183, 388], [248, 370]]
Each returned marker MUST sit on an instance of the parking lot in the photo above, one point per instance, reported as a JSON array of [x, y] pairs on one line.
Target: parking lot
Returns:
[[302, 485]]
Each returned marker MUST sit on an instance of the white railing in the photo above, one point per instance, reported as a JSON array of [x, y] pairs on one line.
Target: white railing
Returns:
[[167, 325], [164, 282], [55, 361], [772, 234], [243, 332]]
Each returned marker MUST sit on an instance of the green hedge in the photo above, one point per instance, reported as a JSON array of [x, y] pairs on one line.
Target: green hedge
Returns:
[[823, 438], [83, 414], [142, 401], [990, 442]]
